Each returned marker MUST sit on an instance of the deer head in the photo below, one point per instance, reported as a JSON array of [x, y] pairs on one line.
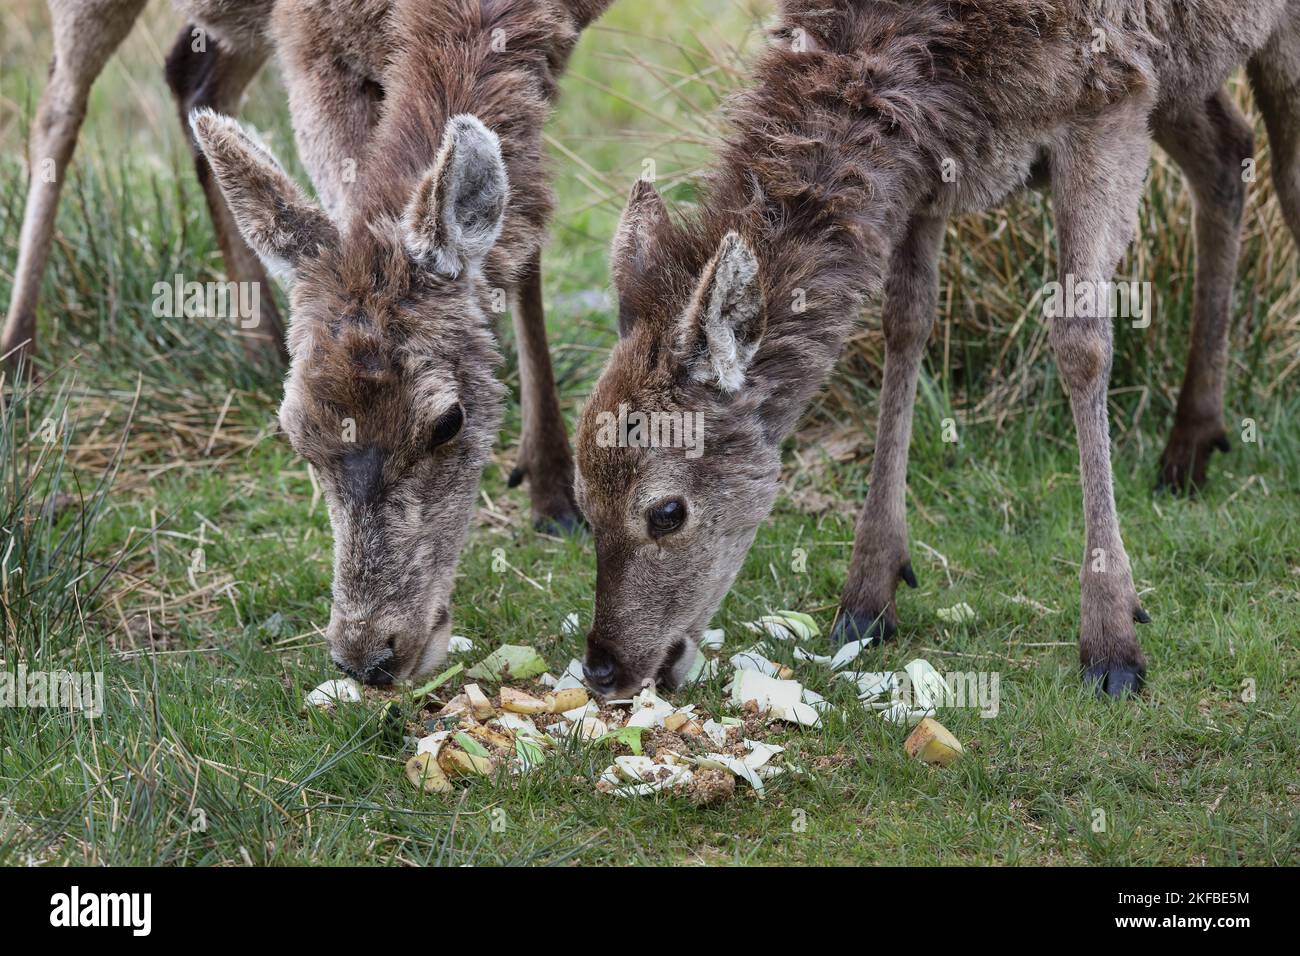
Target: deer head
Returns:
[[390, 394], [672, 525]]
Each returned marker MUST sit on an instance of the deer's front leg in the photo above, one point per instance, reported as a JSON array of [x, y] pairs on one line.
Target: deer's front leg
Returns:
[[880, 557], [544, 456], [1097, 181]]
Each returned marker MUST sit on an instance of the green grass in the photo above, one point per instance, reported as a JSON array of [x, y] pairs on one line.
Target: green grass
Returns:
[[204, 754]]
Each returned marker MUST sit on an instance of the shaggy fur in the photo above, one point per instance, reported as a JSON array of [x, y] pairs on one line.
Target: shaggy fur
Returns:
[[391, 393], [834, 174]]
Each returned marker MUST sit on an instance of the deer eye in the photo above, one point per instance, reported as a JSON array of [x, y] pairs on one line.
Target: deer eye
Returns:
[[447, 426], [665, 517]]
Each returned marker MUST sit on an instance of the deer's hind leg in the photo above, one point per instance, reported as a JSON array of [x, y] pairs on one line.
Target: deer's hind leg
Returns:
[[1097, 171], [1210, 143], [880, 556], [86, 32], [206, 71]]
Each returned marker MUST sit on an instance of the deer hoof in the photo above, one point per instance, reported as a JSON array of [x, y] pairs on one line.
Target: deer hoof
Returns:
[[1184, 464], [1118, 681], [866, 626]]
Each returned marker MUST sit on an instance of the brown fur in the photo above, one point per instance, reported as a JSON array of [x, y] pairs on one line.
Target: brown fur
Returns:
[[832, 172], [392, 284]]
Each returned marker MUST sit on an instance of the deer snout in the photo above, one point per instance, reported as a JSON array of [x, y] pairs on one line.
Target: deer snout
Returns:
[[377, 668], [601, 669], [363, 651]]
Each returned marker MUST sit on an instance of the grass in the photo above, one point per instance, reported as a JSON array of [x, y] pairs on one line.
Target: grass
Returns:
[[190, 562]]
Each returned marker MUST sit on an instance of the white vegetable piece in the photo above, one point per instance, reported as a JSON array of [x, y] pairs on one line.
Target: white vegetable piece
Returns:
[[849, 653], [635, 769], [736, 766], [572, 676], [518, 724], [344, 691], [897, 712], [677, 776], [459, 645], [781, 699], [842, 658], [712, 639], [754, 661], [803, 654], [785, 626], [816, 701], [432, 743], [715, 732], [648, 710], [760, 753], [929, 689], [589, 709], [957, 614], [569, 626], [872, 683]]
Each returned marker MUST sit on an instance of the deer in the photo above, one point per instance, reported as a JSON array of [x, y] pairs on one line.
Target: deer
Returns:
[[391, 394], [333, 56], [827, 192]]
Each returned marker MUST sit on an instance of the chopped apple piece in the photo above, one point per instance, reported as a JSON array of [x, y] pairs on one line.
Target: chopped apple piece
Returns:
[[425, 774], [517, 702], [933, 743]]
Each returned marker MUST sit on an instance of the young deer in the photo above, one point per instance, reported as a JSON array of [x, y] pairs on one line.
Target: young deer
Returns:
[[391, 393], [829, 189]]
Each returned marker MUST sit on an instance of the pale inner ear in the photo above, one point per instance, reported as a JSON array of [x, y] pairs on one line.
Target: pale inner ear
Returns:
[[456, 215], [724, 323]]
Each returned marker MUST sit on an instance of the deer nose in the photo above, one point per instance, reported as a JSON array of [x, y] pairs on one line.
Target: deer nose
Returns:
[[376, 670], [599, 670]]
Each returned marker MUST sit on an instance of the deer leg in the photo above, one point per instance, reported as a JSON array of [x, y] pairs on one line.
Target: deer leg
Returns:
[[86, 32], [1210, 144], [1097, 173], [880, 557], [207, 73], [544, 456]]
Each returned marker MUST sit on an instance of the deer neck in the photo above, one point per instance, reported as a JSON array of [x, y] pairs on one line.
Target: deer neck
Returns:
[[825, 201], [500, 62]]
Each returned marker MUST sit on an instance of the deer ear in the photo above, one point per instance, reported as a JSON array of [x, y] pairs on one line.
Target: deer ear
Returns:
[[275, 217], [724, 322], [634, 243], [454, 219]]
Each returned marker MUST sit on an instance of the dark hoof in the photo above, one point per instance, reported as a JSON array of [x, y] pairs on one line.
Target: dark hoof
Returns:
[[561, 525], [872, 628], [1115, 681], [1185, 463]]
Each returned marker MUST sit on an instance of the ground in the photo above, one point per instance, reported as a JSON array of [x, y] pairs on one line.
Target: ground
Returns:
[[197, 579]]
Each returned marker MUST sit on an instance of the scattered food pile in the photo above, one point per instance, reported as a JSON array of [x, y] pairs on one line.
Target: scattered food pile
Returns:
[[656, 745]]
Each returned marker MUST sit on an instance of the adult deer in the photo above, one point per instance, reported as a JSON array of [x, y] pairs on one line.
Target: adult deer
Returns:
[[391, 392], [829, 189]]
